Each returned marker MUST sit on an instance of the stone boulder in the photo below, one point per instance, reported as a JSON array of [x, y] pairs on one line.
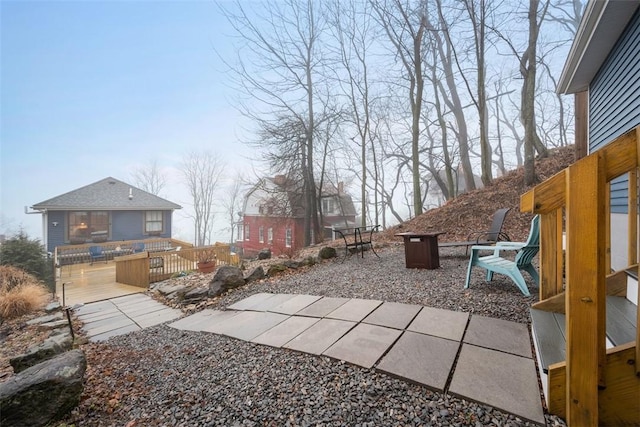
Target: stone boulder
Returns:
[[50, 347], [264, 254], [254, 275], [276, 269], [226, 277], [43, 393], [292, 264], [195, 295], [327, 252]]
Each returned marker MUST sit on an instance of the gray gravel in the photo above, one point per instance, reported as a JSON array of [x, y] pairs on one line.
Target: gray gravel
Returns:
[[163, 376]]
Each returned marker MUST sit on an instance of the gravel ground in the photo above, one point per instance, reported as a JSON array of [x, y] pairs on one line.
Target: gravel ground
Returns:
[[162, 376]]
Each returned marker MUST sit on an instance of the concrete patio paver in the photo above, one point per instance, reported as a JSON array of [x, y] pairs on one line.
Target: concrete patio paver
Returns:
[[320, 336], [354, 310], [498, 334], [322, 307], [284, 332], [417, 343], [393, 315], [295, 304], [249, 302], [502, 380], [424, 359], [115, 332], [249, 324], [364, 345], [440, 323]]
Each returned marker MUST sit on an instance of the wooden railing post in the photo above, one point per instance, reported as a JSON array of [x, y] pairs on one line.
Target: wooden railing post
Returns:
[[551, 259], [585, 288]]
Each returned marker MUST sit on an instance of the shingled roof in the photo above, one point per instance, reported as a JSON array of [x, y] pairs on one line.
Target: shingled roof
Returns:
[[107, 194]]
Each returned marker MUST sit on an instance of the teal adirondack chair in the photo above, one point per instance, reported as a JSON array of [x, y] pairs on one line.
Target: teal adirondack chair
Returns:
[[496, 264]]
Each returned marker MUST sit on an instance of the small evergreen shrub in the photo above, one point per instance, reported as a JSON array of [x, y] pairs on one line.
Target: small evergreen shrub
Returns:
[[27, 254]]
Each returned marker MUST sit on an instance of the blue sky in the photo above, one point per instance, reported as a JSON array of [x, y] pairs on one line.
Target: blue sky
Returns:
[[94, 89]]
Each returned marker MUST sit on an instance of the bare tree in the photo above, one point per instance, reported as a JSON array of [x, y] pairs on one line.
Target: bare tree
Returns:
[[149, 178], [405, 26], [277, 68], [202, 172], [232, 204]]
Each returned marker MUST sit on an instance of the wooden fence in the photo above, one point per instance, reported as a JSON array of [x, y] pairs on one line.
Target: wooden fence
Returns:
[[153, 266]]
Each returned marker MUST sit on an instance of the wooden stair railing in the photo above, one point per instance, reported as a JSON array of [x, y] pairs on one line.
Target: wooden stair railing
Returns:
[[580, 194]]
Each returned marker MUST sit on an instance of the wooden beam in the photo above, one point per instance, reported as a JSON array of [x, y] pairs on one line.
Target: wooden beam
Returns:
[[581, 101], [632, 250], [551, 274], [618, 403], [621, 155], [545, 197], [585, 296], [617, 283], [554, 304]]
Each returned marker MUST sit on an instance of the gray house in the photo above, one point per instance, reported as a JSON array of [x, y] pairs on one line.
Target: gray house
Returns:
[[107, 210], [603, 73]]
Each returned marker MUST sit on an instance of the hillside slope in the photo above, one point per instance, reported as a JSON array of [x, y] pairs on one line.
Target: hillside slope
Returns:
[[473, 211]]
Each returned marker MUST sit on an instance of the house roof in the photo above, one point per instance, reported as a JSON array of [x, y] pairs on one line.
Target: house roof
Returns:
[[602, 24], [107, 194]]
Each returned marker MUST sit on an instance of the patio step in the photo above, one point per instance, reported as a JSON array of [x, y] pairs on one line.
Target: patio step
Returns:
[[550, 337]]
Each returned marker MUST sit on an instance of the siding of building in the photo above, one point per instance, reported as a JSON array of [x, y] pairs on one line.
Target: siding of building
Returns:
[[614, 101]]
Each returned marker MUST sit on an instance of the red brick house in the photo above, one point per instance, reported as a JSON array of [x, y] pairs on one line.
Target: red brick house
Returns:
[[273, 216]]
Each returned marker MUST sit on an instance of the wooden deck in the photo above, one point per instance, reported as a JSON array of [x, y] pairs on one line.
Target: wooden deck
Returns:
[[88, 283]]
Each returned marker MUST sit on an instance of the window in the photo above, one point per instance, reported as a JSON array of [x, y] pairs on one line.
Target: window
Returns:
[[88, 225], [153, 223], [247, 233], [327, 205], [270, 235], [240, 232], [287, 239], [261, 234]]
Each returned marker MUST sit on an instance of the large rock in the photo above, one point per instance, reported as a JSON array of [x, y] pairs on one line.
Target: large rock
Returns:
[[276, 269], [264, 254], [43, 393], [327, 252], [195, 295], [226, 277], [255, 275], [50, 347]]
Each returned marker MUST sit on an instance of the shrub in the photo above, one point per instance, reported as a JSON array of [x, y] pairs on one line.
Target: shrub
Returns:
[[27, 254], [20, 293]]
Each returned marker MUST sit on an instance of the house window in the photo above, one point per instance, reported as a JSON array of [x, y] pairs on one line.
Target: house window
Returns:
[[240, 232], [153, 223], [287, 239], [247, 232], [88, 225], [270, 235], [327, 205], [261, 234]]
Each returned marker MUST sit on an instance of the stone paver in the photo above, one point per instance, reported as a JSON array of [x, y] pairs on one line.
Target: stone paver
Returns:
[[113, 333], [94, 307], [284, 332], [249, 302], [322, 307], [320, 336], [440, 323], [157, 317], [249, 324], [498, 334], [416, 343], [502, 380], [111, 325], [393, 315], [295, 304], [354, 310], [424, 359], [363, 345], [197, 321]]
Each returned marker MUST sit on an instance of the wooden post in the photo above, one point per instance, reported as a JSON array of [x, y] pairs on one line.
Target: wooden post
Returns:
[[550, 254], [581, 100], [585, 288]]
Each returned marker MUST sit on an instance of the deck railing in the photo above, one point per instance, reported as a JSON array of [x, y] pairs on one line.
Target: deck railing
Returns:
[[78, 254], [153, 266], [576, 201]]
